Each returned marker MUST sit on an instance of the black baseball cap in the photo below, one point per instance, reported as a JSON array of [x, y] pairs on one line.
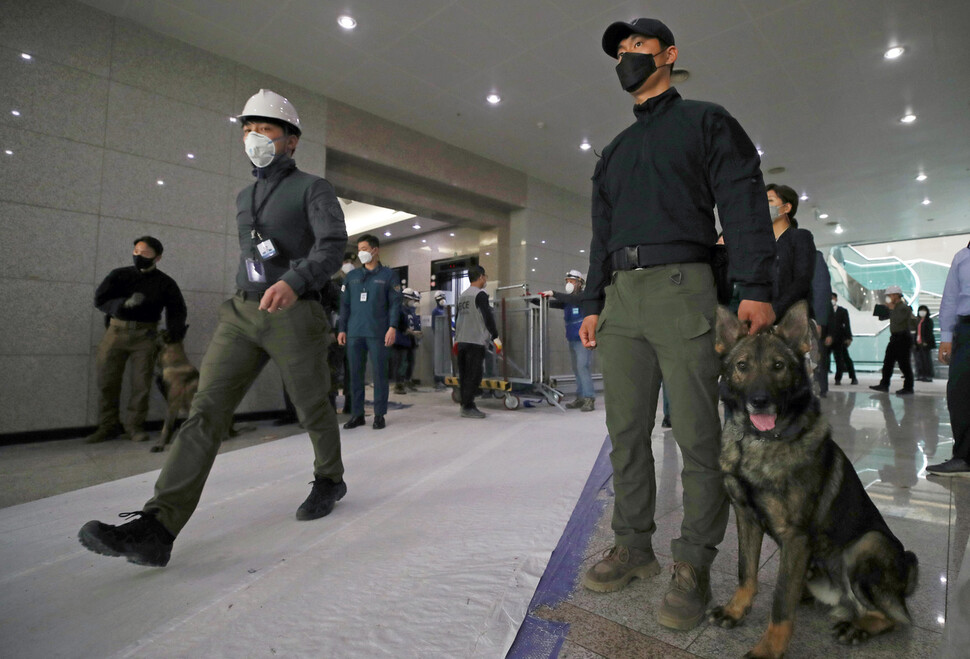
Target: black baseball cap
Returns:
[[648, 27]]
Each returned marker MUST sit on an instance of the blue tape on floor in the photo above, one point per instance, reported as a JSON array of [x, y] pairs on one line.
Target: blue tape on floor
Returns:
[[536, 635]]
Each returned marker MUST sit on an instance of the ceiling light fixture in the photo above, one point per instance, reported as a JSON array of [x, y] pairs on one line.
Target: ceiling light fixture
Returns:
[[190, 156], [585, 146], [894, 52], [8, 152], [232, 120], [921, 177], [26, 56], [823, 216], [760, 152], [838, 228], [488, 253], [424, 240], [452, 235], [15, 113], [926, 201], [387, 233], [160, 182], [493, 98], [347, 22], [804, 196], [415, 226], [582, 251], [907, 118]]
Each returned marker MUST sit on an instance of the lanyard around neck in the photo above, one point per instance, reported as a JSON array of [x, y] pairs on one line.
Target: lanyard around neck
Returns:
[[256, 211]]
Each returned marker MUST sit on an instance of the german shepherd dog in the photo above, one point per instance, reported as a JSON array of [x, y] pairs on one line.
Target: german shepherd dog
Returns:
[[786, 477], [178, 381]]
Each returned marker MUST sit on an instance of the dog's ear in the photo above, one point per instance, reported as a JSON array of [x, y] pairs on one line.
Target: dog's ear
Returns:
[[796, 328], [728, 330]]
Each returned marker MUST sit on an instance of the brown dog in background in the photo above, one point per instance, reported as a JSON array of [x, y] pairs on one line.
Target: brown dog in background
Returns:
[[788, 478], [178, 381]]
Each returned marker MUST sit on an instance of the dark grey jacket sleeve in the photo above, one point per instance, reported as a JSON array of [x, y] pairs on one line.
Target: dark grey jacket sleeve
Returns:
[[329, 240], [481, 302]]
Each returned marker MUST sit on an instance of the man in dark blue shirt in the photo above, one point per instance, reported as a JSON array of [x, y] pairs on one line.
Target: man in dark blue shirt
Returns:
[[369, 308], [650, 305]]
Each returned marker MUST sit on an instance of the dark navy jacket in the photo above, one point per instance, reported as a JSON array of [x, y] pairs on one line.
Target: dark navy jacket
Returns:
[[380, 311]]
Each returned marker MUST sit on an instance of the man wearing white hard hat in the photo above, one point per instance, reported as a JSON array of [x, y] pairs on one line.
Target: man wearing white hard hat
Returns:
[[901, 321], [291, 240], [571, 302]]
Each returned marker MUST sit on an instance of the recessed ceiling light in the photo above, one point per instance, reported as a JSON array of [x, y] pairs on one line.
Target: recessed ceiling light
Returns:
[[415, 226], [424, 240], [760, 152], [535, 258], [452, 235], [894, 52], [15, 113], [190, 156], [160, 182], [838, 228], [926, 201], [823, 216], [921, 177], [907, 118], [26, 56], [8, 152], [582, 251], [804, 197], [585, 146], [347, 22], [232, 120], [493, 98], [543, 242], [488, 253], [533, 269], [387, 233]]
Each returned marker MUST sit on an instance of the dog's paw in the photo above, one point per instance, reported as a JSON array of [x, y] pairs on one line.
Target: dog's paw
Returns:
[[848, 634], [720, 617]]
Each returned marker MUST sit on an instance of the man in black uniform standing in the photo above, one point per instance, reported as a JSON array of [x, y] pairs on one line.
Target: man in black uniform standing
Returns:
[[654, 192], [132, 300]]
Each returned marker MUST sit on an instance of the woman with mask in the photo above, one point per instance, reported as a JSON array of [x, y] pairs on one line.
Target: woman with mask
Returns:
[[924, 344], [794, 251]]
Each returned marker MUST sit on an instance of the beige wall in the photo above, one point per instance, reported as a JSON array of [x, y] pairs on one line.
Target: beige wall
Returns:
[[107, 108]]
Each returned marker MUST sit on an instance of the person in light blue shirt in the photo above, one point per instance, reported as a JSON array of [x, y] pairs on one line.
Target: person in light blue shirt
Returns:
[[955, 351]]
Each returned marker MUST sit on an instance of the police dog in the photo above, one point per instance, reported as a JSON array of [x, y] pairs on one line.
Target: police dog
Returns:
[[178, 381], [786, 477]]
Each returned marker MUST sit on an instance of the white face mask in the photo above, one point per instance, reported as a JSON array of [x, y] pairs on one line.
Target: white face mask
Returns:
[[569, 287], [260, 149], [922, 314], [347, 267], [365, 257], [888, 299]]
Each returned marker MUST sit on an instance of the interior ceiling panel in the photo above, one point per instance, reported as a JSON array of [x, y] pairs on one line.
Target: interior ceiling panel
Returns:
[[806, 78]]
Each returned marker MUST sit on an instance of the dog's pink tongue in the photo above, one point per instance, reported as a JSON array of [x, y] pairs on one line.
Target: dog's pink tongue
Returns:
[[763, 421]]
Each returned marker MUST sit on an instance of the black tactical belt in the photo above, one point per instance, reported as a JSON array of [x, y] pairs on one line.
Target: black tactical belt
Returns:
[[634, 257]]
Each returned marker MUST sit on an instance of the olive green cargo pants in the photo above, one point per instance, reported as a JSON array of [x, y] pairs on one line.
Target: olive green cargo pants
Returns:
[[296, 339], [131, 344], [658, 323]]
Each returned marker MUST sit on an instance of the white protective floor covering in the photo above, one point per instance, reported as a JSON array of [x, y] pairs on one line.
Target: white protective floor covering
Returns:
[[435, 552]]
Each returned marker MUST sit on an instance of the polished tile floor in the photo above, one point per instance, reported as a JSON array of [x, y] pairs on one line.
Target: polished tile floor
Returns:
[[890, 440]]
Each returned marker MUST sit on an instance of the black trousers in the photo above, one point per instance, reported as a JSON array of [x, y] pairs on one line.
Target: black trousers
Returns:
[[924, 361], [843, 362], [471, 360], [897, 352], [958, 389], [402, 364]]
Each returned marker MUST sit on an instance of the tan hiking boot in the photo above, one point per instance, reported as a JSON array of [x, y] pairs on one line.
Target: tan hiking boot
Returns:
[[576, 404], [685, 602], [588, 405], [618, 567]]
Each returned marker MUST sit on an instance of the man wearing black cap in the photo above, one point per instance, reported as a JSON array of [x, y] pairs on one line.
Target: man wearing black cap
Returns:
[[132, 300], [654, 192]]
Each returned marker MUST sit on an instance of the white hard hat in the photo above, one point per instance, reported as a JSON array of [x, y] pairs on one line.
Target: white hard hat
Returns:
[[894, 289], [268, 104], [439, 295], [411, 294], [575, 274]]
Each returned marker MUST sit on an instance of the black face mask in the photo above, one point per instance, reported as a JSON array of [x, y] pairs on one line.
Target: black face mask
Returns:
[[634, 69], [142, 262]]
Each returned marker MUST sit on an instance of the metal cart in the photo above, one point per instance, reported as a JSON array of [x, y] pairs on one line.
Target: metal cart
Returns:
[[519, 371]]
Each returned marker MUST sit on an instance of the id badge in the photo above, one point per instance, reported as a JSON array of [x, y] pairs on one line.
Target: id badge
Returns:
[[267, 249], [363, 296], [255, 271]]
